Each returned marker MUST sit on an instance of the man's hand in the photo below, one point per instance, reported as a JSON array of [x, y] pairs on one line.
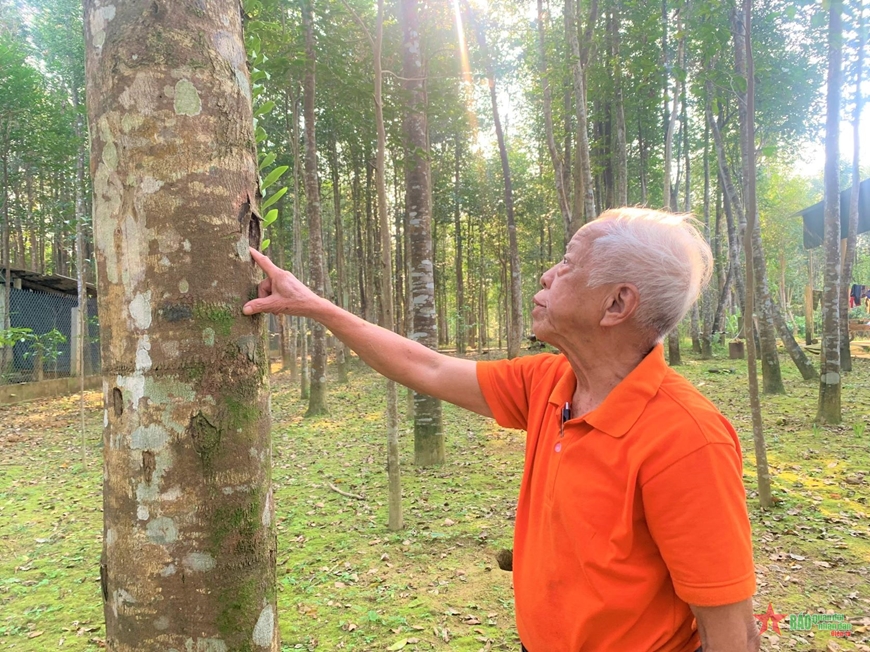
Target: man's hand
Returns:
[[280, 293], [407, 362], [729, 628]]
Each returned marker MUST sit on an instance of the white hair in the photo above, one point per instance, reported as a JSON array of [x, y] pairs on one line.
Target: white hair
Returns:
[[662, 254]]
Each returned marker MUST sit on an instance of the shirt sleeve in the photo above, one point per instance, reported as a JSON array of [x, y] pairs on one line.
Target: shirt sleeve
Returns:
[[506, 386], [696, 513]]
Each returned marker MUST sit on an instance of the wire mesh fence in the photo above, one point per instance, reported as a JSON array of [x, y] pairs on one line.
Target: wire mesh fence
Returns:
[[41, 340]]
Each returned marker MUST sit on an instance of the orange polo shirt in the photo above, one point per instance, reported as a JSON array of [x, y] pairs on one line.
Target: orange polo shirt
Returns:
[[629, 514]]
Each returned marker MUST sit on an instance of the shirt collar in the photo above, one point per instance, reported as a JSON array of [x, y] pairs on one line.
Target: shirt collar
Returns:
[[624, 404]]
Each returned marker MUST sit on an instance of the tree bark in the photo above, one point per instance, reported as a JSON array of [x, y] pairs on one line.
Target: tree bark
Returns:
[[852, 239], [428, 435], [393, 471], [317, 281], [189, 537], [555, 156], [674, 357], [619, 145], [515, 314], [584, 193], [341, 351], [461, 317], [829, 388], [770, 368], [747, 125]]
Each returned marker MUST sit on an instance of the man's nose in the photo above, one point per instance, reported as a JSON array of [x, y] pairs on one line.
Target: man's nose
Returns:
[[545, 278]]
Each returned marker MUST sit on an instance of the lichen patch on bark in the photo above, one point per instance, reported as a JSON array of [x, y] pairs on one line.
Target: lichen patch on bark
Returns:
[[187, 100], [263, 630], [99, 17], [162, 530], [198, 562]]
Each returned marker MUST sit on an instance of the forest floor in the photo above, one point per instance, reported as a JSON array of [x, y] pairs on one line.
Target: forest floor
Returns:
[[346, 582]]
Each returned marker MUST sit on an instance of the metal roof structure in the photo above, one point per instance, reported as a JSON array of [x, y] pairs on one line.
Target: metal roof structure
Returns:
[[814, 216], [49, 283]]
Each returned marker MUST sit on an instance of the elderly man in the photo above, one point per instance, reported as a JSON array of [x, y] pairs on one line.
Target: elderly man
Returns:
[[632, 533]]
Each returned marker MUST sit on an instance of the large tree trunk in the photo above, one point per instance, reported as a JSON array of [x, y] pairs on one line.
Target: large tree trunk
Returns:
[[829, 388], [428, 435], [555, 155], [747, 128], [188, 558], [317, 280], [515, 314]]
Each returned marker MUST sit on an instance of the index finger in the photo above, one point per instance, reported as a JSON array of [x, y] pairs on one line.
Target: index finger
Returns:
[[265, 264]]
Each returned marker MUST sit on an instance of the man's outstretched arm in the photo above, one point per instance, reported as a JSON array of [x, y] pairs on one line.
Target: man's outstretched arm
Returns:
[[396, 357]]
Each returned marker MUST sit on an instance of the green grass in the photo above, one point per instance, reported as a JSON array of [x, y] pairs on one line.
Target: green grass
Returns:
[[346, 582]]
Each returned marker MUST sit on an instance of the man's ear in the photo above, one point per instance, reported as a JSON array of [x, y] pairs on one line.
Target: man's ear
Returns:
[[622, 303]]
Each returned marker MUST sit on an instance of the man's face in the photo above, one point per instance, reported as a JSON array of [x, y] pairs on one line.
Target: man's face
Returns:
[[566, 307]]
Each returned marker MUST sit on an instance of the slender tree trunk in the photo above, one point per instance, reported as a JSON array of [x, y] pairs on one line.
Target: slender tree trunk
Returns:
[[428, 435], [399, 302], [461, 317], [317, 282], [301, 330], [852, 239], [674, 357], [707, 298], [386, 286], [620, 148], [288, 330], [770, 368], [584, 195], [359, 241], [341, 350], [829, 389], [81, 287], [188, 559], [642, 156], [7, 273], [515, 322], [748, 132], [370, 233], [555, 155]]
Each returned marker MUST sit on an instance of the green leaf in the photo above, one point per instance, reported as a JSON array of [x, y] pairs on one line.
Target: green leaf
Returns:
[[258, 90], [257, 75], [273, 176], [271, 216], [271, 199], [260, 135], [265, 108], [254, 43], [398, 645], [741, 84], [265, 244], [268, 159]]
